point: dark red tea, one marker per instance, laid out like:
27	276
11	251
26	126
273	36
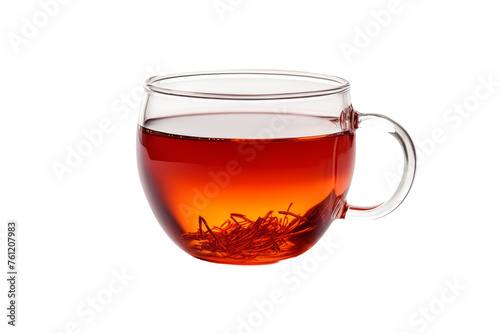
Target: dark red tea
245	188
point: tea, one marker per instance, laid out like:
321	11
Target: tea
245	188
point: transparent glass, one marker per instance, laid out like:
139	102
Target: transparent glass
252	166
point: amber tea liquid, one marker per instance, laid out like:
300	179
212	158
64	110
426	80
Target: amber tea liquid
245	188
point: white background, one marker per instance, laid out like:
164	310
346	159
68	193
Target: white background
74	71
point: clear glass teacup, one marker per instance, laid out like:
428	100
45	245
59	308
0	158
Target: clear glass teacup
252	166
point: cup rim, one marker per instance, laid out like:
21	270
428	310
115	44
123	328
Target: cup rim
338	85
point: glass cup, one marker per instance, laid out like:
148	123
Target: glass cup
252	166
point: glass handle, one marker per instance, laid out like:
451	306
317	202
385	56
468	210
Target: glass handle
387	125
